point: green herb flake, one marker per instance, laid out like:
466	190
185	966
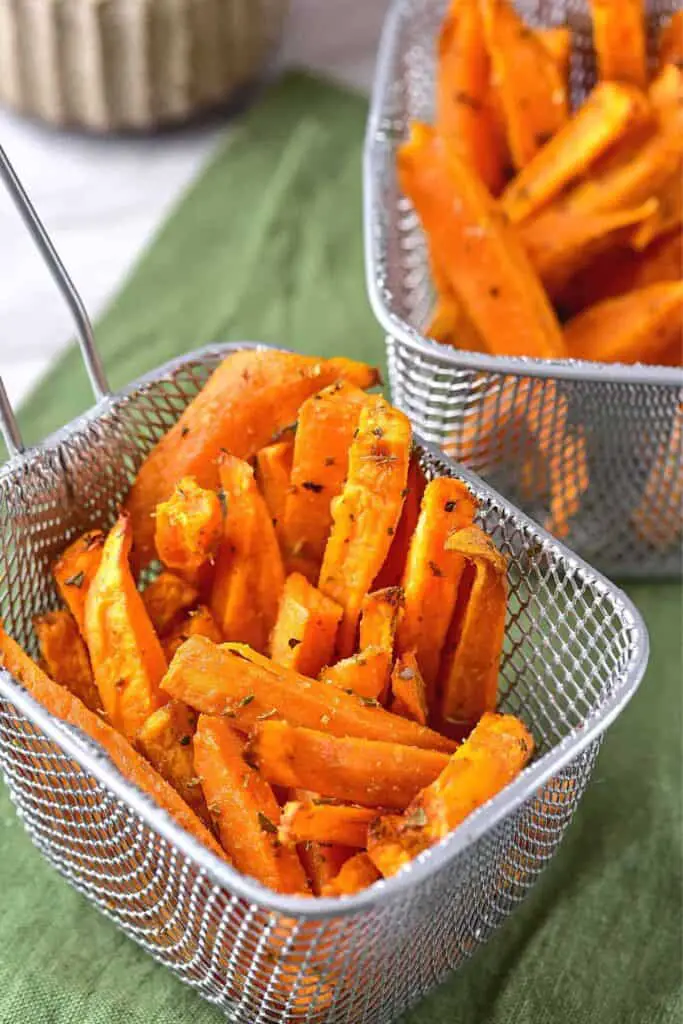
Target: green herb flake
416	819
77	580
246	701
266	824
370	702
185	741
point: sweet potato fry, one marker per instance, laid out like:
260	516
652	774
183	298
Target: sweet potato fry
63	705
380	614
65	656
75	570
357	874
663	489
167	599
609	112
624	270
306	627
365	772
557	41
245	811
219	681
635	328
532	90
450	325
474	646
273	471
666	96
199	622
366	512
391	573
249	398
323	822
432	576
165	739
463	112
322	863
326	425
189	528
366	674
560	242
493	755
249	573
667	213
619	40
125	653
409	690
671	41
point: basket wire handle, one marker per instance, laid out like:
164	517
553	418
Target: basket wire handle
84	332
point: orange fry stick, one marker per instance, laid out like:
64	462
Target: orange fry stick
75	570
664	489
635	328
125	653
667	214
242	804
218	681
557	41
609	112
492	757
167	600
450	325
463	111
359	771
326	425
249	574
63	705
472	654
559	241
165	739
306	627
671	41
199	622
366	513
322	863
249	398
530	85
65	656
485	261
366	674
357	874
409	690
432	576
380	614
273	471
619	40
188	529
323	822
391	573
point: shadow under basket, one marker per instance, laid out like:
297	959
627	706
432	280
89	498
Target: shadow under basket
575	652
605	469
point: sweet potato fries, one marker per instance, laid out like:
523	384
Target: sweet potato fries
326	628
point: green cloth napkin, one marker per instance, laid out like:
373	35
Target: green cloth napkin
267	245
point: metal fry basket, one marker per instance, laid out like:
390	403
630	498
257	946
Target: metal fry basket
625	421
575	652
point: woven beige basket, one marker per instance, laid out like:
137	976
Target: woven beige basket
117	65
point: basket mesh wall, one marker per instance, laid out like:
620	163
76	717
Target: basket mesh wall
597	461
572	645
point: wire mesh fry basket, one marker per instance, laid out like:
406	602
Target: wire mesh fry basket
620	504
575	652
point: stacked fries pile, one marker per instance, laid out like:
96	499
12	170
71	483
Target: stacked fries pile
309	684
553	234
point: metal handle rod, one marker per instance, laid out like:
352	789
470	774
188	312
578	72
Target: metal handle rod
93	364
9	428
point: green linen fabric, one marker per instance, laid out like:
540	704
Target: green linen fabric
267	245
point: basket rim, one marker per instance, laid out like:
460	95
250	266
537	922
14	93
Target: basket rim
397	327
97	763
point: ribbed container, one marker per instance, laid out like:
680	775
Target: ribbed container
127	65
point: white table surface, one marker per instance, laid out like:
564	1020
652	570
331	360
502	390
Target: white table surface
102	199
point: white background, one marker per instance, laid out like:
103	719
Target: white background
102	199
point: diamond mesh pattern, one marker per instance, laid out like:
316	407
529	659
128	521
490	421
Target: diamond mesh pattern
574	653
627	421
